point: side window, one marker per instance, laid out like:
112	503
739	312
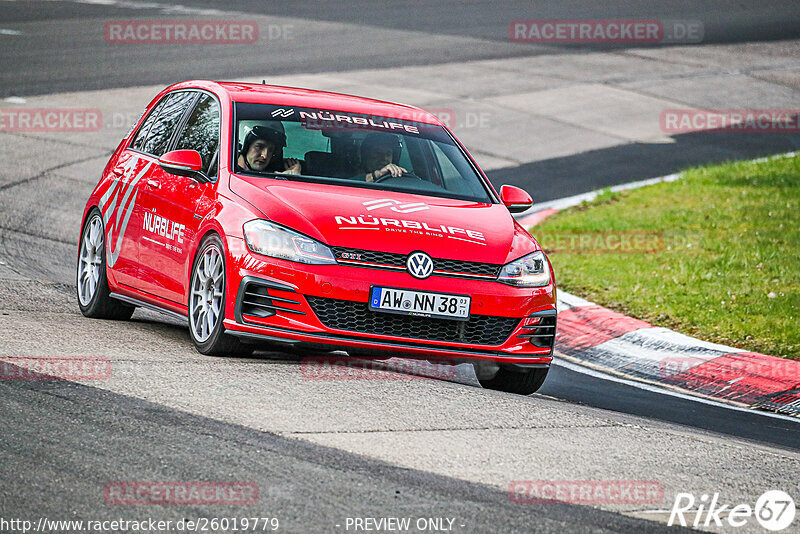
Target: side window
202	130
405	159
300	140
451	175
164	125
449	171
141	135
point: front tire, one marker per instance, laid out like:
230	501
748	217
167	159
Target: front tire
94	297
523	382
207	293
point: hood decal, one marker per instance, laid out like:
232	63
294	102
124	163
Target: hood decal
396	205
388	221
411	227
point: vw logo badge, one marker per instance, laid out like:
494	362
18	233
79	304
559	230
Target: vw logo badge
419	265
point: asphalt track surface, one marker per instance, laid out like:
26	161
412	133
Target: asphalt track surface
62	441
60	47
103	437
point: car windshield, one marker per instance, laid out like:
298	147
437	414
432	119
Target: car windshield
352	149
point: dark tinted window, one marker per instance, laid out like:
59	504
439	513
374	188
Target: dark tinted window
141	135
160	132
202	130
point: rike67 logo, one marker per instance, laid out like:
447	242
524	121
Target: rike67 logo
774	511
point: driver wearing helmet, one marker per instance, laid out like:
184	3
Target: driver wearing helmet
261	146
379	152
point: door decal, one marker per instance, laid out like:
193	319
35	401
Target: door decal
126	187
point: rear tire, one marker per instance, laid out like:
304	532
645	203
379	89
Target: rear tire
520	382
207	296
91	281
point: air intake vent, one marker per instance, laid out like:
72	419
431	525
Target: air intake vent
542	333
257	299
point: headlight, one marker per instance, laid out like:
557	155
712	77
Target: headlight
270	239
528	271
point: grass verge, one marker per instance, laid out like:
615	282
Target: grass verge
715	255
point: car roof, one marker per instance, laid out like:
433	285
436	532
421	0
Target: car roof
310	98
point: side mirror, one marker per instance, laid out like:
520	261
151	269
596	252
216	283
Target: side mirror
515	199
184	163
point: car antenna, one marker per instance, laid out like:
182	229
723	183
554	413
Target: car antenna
263	82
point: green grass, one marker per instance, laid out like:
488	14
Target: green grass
718	256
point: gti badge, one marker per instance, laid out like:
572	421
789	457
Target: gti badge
283	112
419	265
350	256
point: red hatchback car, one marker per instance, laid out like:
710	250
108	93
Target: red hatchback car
273	215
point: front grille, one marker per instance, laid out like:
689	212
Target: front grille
370	256
467	267
399	260
357	317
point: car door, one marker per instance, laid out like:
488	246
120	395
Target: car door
121	205
175	205
122	215
158	140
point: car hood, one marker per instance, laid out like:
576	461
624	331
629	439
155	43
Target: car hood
387	221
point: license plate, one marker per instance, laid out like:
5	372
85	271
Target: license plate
419	303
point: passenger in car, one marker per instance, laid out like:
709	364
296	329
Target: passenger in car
379	154
261	146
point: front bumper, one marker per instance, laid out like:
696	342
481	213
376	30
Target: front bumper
277	301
